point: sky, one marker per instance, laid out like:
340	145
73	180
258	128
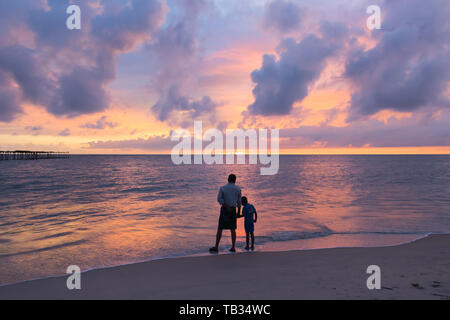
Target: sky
139	69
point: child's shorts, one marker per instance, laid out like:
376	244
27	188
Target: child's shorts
249	227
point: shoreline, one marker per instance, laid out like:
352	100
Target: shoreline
162	278
271	246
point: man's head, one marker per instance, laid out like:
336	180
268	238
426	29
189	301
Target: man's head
231	178
244	200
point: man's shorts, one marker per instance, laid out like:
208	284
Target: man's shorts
227	218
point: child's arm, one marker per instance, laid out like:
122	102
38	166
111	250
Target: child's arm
256	216
240	214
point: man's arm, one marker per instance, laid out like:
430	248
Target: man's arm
220	197
256	216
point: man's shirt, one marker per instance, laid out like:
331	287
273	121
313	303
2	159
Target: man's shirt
230	194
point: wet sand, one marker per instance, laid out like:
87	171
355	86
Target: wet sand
417	270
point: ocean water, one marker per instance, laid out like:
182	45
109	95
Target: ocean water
100	210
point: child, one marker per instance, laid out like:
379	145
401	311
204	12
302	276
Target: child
248	211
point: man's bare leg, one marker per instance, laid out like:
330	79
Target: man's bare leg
218	236
233	239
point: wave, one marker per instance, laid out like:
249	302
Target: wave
294	235
62	245
324	231
57	235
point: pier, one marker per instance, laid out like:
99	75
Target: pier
32	155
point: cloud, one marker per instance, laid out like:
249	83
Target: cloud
175	47
119	28
280	83
408	69
405	132
34	128
283	16
101	123
160	143
123	23
190	108
81	92
64	133
9	99
22	66
49	26
67	71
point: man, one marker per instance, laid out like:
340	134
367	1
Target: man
229	198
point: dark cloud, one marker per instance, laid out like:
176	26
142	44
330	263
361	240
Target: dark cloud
101	123
280	83
49	26
28	72
67	71
80	92
409	67
122	22
175	47
119	28
283	16
9	99
173	100
14	16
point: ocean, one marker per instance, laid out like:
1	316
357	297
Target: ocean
98	211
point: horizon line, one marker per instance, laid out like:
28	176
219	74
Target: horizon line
280	154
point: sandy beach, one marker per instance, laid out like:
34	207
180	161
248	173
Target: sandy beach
417	270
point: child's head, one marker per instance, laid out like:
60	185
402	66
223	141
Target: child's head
244	200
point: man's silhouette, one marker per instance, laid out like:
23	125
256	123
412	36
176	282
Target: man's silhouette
229	198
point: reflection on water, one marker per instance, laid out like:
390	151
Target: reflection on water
98	211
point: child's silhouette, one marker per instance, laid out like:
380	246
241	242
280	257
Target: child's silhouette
250	217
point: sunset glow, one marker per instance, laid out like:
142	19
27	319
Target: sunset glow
112	88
